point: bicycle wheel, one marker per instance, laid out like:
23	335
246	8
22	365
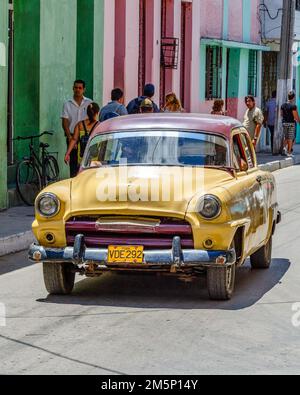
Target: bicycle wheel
28	182
51	169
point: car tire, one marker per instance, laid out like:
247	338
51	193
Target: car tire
221	282
59	278
263	257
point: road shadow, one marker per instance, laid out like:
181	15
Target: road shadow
150	292
12	262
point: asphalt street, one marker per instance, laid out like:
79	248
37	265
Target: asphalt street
155	325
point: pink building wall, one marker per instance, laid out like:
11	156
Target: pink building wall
109	49
120	43
149	38
206	21
255	25
155	64
132	49
211	18
235	20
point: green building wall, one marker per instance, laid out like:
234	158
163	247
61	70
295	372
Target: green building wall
85	48
26	72
57	69
3	103
90	32
56	42
233	73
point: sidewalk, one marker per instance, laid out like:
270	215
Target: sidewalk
15	229
15	223
272	163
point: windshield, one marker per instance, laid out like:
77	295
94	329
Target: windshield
157	148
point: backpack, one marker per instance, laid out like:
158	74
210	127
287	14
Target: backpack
137	104
85	138
134	106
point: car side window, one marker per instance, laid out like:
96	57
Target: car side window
239	156
247	150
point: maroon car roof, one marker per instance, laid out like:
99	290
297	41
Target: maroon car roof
207	123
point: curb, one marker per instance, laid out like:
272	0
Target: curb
16	243
280	164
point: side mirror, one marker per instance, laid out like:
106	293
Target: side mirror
244	165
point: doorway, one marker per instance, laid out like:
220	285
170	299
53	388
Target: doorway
186	55
10	103
142	47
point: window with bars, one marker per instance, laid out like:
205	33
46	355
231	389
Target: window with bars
213	72
252	73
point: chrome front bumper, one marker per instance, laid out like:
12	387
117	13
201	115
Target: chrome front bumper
80	255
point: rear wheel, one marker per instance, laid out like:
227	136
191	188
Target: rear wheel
52	169
221	282
262	258
28	181
59	278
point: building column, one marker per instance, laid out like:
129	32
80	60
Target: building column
169	32
177	34
131	68
98	47
120	44
202	72
3	102
57	69
108	49
247	19
297	63
225	19
127	47
243	82
195	60
155	77
224	73
84	47
27	63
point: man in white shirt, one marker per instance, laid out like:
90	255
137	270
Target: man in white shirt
253	119
74	111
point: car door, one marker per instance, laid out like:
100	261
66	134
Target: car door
241	197
257	192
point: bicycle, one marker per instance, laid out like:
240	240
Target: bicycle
34	173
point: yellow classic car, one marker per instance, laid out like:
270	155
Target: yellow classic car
175	194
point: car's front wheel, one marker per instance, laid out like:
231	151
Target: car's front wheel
263	257
221	282
59	278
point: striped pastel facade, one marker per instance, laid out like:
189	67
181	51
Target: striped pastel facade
230	20
116	43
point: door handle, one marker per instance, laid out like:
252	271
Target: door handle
259	179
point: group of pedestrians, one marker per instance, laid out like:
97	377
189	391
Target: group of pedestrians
290	118
81	115
254	119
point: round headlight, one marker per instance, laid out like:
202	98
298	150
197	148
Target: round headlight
48	205
210	207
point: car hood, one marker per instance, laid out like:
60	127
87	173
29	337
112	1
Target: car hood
146	190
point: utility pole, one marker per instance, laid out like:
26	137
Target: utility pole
284	84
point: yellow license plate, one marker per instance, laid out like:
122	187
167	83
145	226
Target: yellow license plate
125	254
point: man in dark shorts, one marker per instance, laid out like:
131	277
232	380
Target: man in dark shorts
290	117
